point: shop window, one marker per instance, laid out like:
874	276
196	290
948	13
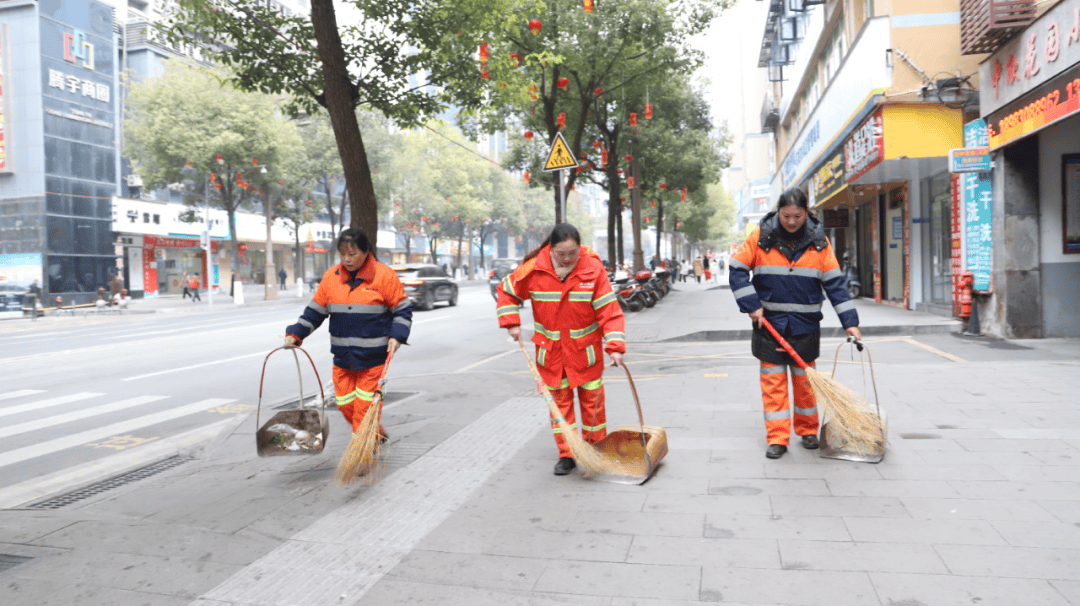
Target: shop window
157	219
146	217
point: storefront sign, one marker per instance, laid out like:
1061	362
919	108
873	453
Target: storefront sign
836	217
875	238
760	190
1070	202
5	115
978	215
1048	47
957	237
865	149
829	179
969	160
1046	104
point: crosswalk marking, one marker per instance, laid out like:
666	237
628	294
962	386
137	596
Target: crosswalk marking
20	393
75	397
78	439
77	415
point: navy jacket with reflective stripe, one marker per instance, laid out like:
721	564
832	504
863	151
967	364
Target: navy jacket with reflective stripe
789	283
364	314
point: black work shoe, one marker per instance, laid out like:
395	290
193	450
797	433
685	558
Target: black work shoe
775	451
810	442
564	466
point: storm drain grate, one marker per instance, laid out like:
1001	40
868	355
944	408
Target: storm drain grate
7	562
400	454
100	487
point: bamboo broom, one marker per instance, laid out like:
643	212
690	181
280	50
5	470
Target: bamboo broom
852	420
591	460
361	456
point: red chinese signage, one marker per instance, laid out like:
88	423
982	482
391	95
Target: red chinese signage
1053	101
865	149
3	97
957	234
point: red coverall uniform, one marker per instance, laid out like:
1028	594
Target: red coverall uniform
573	318
365	312
789	284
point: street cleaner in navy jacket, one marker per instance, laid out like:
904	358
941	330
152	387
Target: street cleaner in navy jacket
370	316
792	261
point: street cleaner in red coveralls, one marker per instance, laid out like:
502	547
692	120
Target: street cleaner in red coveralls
574	313
370	316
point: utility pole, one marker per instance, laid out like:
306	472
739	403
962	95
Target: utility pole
271	275
209	259
659	224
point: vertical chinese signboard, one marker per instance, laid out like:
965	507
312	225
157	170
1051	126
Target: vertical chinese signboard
5	115
978	211
876	237
957	237
865	149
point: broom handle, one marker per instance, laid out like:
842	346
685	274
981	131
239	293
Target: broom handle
787	346
540	384
641	418
382	381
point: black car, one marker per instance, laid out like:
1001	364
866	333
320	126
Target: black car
425	284
501	269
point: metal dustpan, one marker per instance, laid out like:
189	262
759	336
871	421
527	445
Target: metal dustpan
635	449
280	436
831	447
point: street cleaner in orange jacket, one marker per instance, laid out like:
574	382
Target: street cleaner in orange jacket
792	261
369	317
574	312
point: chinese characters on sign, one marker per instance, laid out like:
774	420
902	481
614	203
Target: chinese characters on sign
73	84
978	211
3	98
957	235
865	149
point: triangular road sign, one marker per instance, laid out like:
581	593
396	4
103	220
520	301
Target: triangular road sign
559	157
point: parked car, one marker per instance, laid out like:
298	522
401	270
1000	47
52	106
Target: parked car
500	269
426	284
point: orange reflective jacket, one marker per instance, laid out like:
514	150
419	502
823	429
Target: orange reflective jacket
572	318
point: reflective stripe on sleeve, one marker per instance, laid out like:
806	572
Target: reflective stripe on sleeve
319	308
615	336
405	321
507	310
792	307
845	306
577	295
604	300
737	264
359	341
786	270
402	306
806	412
832	273
776	416
745	292
307	324
352	308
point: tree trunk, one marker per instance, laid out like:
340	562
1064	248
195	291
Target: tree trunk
328	183
659	227
340	97
408	249
619	226
461	236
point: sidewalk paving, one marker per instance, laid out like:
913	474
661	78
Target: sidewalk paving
977	500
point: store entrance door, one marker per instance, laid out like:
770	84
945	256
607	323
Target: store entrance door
892	248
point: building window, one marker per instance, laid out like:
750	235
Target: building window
157	219
146	217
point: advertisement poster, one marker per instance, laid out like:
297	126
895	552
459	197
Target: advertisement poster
877	251
978	212
957	238
1070	203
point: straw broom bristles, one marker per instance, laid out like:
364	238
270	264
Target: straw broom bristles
361	457
591	460
851	422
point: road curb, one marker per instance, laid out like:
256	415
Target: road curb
827	332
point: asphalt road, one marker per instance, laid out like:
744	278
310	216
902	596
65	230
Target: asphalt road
96	397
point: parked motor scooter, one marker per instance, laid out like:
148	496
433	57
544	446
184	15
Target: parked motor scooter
645	280
852	277
631	297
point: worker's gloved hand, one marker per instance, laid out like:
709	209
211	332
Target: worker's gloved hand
514	332
291	342
616	358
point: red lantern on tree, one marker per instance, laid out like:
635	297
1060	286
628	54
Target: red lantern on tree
646	219
563	83
218	158
633	119
648	111
308	203
484	73
516	57
213	177
623	200
526	176
217	186
628	158
599	91
483	52
532	94
684	193
654	203
596	144
254	161
529	135
603	159
535	25
281	183
588	6
630	182
663	186
562	120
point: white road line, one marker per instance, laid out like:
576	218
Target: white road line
106	467
20	393
486	360
85	413
171	370
44	448
75	397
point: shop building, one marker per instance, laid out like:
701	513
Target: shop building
870	98
58	157
1030	101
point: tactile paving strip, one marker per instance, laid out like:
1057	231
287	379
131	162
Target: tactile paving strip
340	557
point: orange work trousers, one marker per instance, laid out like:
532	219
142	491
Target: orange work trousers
774	395
593	417
355	389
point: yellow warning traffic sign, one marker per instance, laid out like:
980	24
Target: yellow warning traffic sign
559	158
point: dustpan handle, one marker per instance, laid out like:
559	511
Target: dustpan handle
870	362
262	378
641	418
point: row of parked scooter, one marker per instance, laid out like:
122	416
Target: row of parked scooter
642	289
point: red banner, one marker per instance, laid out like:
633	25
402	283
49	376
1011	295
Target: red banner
957	234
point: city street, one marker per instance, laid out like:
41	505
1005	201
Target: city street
976	501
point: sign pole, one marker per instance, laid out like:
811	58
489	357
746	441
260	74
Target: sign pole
562	196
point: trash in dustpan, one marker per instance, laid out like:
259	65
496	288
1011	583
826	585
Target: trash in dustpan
292	432
636	450
834	448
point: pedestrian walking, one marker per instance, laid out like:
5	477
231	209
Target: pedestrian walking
195	288
699	269
281	274
185	280
574	313
705	268
792	262
370	316
115	286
